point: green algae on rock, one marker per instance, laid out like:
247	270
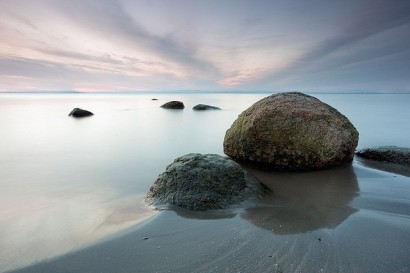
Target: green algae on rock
204	182
291	131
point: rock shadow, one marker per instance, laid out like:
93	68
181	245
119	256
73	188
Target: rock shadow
203	215
383	166
304	202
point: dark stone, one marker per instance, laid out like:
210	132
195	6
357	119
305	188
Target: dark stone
79	113
173	105
389	154
291	131
202	107
203	182
154	99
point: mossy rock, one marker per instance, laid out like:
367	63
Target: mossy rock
291	131
204	182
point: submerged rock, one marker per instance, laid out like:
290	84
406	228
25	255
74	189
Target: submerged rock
291	131
173	105
203	182
389	154
202	107
79	113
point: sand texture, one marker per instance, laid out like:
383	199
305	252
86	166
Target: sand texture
347	219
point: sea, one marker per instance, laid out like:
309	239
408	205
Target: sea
68	183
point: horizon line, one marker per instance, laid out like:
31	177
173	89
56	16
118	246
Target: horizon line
200	91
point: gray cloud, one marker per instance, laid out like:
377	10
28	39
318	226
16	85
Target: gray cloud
321	42
109	19
79	56
19	73
370	19
31	68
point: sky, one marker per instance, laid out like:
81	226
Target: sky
263	45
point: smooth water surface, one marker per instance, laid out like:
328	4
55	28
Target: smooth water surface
66	183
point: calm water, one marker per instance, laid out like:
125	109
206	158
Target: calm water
66	183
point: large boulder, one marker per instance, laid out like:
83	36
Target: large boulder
203	182
202	107
79	113
173	105
389	154
291	131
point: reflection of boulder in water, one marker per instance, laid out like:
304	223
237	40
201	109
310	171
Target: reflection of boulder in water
305	202
203	215
282	220
386	167
388	154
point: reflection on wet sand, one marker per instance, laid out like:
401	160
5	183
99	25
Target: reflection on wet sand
387	167
45	227
304	202
300	202
203	215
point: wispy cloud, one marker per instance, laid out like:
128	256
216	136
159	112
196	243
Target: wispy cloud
240	77
185	44
111	21
372	20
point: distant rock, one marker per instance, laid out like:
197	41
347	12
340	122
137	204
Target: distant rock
291	131
79	113
173	105
154	99
204	182
389	154
202	107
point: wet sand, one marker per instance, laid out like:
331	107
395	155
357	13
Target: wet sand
346	219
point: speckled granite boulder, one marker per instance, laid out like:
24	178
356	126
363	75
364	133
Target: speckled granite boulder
291	131
79	113
203	182
389	154
173	105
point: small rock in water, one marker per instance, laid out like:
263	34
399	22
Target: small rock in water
389	154
79	113
173	105
154	99
202	107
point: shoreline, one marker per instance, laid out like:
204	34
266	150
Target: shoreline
112	218
339	225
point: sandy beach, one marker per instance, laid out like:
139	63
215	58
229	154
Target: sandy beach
346	219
